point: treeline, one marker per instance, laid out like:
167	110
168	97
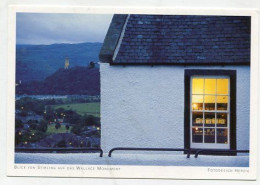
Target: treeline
36	62
77	80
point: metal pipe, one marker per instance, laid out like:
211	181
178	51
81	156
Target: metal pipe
219	151
149	149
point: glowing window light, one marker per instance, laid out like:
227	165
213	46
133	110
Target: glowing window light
194	106
208	96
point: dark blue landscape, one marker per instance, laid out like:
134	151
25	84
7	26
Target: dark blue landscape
36	62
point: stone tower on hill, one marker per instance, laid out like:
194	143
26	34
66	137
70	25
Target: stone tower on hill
67	63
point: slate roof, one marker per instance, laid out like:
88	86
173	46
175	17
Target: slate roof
177	39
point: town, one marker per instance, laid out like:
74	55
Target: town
72	121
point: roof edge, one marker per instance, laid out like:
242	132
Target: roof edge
120	38
112	38
183	64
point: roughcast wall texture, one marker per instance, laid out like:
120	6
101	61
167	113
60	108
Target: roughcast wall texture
143	106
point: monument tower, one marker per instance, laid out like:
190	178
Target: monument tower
67	63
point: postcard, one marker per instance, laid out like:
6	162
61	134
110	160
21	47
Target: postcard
132	93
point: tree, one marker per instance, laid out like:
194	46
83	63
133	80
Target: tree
33	126
42	126
89	120
18	123
72	117
61	144
57	125
76	129
67	127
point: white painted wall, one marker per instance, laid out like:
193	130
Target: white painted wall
143	106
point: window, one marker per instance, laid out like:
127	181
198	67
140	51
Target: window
209	112
210	109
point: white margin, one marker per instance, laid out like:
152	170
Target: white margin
169	172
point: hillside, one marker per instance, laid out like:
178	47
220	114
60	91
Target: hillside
36	62
76	80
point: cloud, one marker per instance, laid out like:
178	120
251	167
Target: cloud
49	28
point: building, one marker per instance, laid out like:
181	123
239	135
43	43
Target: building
67	63
176	82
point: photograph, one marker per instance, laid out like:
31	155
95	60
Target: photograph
110	92
57	93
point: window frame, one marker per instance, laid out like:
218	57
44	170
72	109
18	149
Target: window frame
215	111
189	73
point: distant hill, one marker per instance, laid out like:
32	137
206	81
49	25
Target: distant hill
36	62
76	80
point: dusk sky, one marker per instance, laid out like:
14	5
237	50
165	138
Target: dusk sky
50	28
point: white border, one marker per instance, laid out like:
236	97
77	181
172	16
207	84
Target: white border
134	171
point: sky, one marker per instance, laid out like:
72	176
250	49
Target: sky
51	28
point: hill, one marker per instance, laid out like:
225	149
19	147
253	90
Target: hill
76	80
36	62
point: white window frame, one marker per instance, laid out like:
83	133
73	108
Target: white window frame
210	145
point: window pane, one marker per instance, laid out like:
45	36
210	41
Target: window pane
210	102
210	86
209	119
197	119
197	135
222	86
197	86
210	106
222	102
222	135
197	102
209	135
222	119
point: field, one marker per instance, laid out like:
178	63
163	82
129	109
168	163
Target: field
82	108
52	130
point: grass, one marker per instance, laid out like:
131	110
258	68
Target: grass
82	108
52	130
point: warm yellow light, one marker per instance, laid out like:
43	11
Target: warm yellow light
194	106
210	86
210	99
222	99
197	85
222	86
197	99
196	128
25	142
98	128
